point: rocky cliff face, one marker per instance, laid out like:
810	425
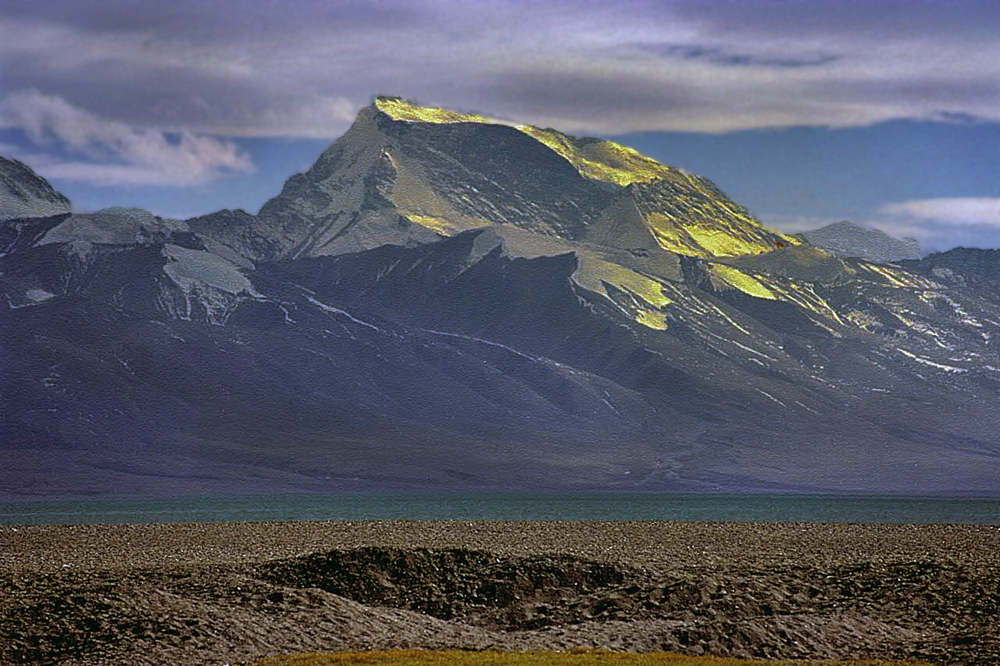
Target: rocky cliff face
23	194
29	206
445	302
962	266
132	259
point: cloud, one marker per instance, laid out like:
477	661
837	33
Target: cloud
935	231
113	152
723	56
693	66
982	211
941	237
942	223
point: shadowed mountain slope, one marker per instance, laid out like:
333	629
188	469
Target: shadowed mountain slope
446	302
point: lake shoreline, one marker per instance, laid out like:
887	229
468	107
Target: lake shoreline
523	506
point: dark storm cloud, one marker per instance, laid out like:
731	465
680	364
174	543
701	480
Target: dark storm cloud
225	20
237	67
931	93
303	69
570	100
231	67
723	56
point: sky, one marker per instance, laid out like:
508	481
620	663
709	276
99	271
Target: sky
883	112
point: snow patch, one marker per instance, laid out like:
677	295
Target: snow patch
192	268
39	295
334	310
939	366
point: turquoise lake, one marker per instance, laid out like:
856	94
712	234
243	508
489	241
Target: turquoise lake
760	508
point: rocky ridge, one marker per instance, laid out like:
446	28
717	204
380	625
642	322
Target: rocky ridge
23	194
443	301
405	175
846	239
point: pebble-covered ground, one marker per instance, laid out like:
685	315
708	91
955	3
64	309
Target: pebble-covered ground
218	593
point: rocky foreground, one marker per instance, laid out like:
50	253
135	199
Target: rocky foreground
218	593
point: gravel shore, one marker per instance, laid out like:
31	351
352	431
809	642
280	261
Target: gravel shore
217	593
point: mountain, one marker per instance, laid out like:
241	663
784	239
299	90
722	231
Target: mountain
846	239
445	302
24	194
29	206
962	266
407	175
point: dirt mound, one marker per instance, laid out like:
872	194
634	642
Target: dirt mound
904	610
477	587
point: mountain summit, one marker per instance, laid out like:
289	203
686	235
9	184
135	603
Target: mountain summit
25	195
448	302
29	206
406	175
846	239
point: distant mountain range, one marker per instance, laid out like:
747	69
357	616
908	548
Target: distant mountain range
846	239
443	302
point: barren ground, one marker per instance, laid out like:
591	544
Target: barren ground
218	593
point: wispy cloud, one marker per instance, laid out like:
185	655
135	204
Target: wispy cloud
942	223
108	152
980	211
936	224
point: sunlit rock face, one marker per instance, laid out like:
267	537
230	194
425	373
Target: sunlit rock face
445	301
405	175
846	239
